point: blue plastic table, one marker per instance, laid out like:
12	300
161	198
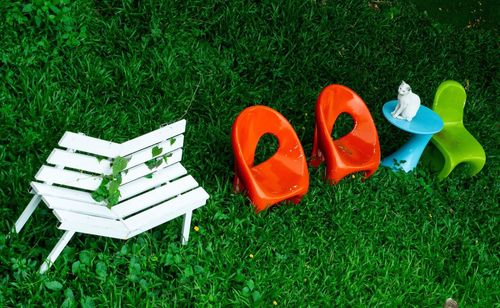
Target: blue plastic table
425	124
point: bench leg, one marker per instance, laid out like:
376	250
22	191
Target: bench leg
56	251
28	211
186	227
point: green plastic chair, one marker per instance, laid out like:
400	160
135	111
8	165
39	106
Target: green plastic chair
455	144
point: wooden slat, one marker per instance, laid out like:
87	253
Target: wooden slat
146	154
91	224
143	184
142	170
79	207
166	211
88	144
63	193
155	196
79	161
68	178
153	137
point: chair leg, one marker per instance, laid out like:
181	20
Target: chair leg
237	184
28	211
56	251
446	170
317	157
296	199
476	165
369	173
186	227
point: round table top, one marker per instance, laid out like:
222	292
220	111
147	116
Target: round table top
425	121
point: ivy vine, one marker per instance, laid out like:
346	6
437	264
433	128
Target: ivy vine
108	190
157	161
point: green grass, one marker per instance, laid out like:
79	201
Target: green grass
119	69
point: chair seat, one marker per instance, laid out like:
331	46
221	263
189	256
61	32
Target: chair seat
354	151
458	144
276	181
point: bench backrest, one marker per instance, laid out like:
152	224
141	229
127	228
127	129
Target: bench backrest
73	171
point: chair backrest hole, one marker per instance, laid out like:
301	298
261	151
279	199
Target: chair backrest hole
342	126
267	146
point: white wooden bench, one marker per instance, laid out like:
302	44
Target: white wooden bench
66	182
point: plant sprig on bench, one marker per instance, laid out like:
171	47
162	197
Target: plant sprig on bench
108	190
156	161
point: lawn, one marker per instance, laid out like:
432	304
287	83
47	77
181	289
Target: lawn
119	69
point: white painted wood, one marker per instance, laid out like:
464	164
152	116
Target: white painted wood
68	178
186	226
146	154
28	211
153	137
56	251
142	169
63	193
167	210
84	228
79	207
143	184
100	226
160	194
80	142
79	161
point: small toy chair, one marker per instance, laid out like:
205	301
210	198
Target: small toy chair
284	176
359	150
454	142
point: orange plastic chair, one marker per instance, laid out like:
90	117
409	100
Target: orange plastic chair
359	150
284	176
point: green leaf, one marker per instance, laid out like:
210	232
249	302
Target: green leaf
256	296
119	164
85	257
69	293
28	8
38	21
101	270
239	276
113	187
97	196
153	163
54	285
149	176
166	156
87	302
250	284
156	151
54	9
113	199
101	192
245	291
188	271
172	141
69	302
75	268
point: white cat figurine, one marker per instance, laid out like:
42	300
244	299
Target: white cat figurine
408	103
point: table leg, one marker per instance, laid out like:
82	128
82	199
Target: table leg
407	157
